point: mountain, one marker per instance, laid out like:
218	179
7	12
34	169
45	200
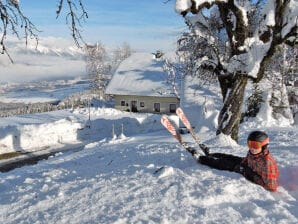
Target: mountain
52	58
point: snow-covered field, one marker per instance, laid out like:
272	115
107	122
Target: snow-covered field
42	91
142	176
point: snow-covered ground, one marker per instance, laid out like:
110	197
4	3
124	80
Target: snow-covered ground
143	176
42	91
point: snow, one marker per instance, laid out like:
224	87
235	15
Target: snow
243	8
257	49
143	175
270	13
42	91
142	75
182	5
185	5
291	17
254	48
47	73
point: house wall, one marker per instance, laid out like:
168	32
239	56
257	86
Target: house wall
148	101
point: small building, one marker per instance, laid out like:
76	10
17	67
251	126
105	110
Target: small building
140	85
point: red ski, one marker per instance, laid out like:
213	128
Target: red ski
189	128
170	127
187	124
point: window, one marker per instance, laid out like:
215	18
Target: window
142	104
156	107
122	103
172	108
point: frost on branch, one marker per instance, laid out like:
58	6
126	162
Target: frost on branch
14	22
76	13
14	2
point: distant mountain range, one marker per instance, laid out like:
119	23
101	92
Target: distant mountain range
51	58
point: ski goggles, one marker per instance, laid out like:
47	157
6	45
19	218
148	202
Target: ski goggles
257	145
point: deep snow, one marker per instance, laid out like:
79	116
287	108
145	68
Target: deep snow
141	177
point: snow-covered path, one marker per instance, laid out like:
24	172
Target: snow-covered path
117	182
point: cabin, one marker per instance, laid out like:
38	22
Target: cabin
140	85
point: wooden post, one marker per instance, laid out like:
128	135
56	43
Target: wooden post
113	131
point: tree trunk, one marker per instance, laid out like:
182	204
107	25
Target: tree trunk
230	114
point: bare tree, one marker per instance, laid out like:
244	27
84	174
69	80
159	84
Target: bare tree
14	22
98	68
174	76
254	30
197	59
120	54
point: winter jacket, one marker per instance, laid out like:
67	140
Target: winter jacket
261	169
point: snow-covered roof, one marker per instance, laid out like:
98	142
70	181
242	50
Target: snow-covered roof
142	75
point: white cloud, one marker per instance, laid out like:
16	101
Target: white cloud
53	58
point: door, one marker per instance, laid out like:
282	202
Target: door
134	107
156	107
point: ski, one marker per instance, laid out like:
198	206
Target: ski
170	127
189	128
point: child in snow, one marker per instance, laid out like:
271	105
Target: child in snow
258	166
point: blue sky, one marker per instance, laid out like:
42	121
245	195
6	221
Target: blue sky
144	24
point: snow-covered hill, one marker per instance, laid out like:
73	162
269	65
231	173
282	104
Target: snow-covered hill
142	176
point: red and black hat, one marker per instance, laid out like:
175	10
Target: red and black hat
257	139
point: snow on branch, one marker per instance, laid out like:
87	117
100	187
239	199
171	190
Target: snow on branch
254	29
172	76
73	20
13	19
290	21
184	6
14	22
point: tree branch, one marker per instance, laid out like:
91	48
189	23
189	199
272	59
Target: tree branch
13	19
73	20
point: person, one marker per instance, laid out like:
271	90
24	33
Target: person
258	166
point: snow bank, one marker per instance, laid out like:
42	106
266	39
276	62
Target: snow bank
32	137
39	131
